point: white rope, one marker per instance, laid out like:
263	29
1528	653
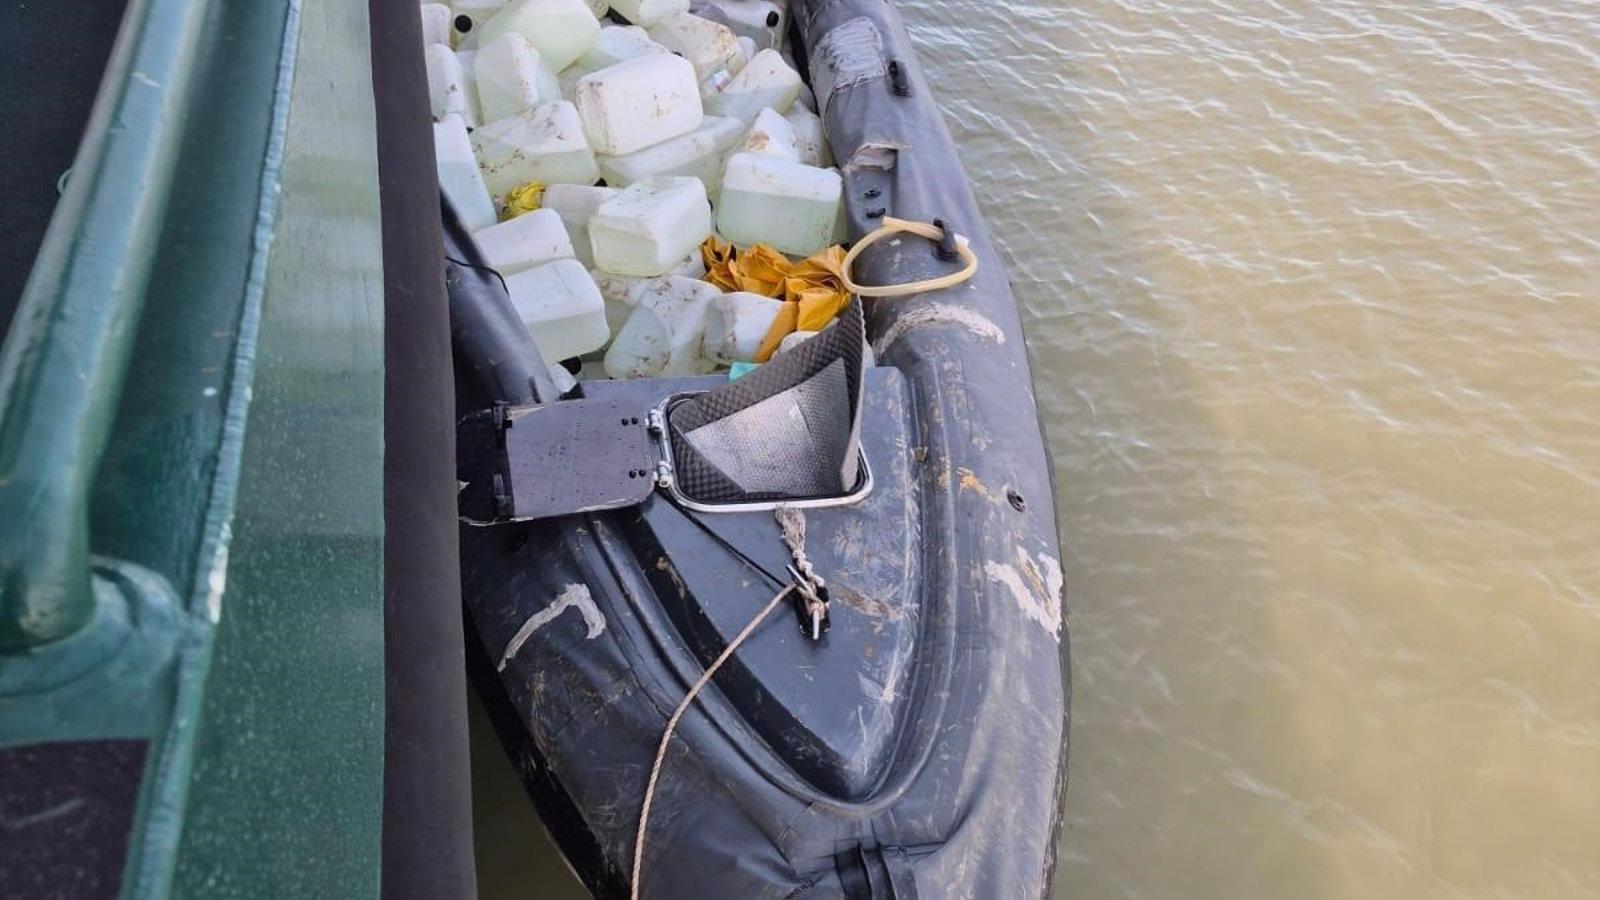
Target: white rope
811	586
793	523
672	725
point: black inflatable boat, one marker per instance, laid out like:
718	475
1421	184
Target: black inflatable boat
616	538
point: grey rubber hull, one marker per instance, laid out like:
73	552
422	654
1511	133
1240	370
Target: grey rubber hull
919	749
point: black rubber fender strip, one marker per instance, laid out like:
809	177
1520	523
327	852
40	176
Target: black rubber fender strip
427	791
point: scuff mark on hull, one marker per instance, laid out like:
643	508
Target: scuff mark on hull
573	595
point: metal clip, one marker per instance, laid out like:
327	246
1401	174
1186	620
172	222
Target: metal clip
810	606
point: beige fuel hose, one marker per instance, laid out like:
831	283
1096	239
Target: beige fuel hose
932	232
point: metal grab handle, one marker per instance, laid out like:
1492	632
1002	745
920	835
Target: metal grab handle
62	367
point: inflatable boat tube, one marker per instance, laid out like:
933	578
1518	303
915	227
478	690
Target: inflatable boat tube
918	749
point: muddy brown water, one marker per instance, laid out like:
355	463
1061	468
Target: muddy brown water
1313	297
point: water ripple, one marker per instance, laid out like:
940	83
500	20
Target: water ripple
1311	290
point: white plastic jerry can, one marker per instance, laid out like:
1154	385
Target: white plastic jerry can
543	144
436	24
691	266
531	239
736	324
549	84
638	103
806	98
650	226
564	380
772	135
447	88
475	13
794	339
459	177
758	20
616	44
575	204
769	200
664	332
561	307
469	80
622	292
767	83
561	30
508	77
463	31
699	154
709	46
599	7
648	12
810	143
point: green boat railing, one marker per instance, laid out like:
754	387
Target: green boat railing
191	463
63	364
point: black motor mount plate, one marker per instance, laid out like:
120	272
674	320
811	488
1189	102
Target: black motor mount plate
533	462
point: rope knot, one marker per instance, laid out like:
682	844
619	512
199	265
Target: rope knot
811	601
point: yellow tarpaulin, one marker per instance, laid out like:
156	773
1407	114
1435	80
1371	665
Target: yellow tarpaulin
813	289
523	200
